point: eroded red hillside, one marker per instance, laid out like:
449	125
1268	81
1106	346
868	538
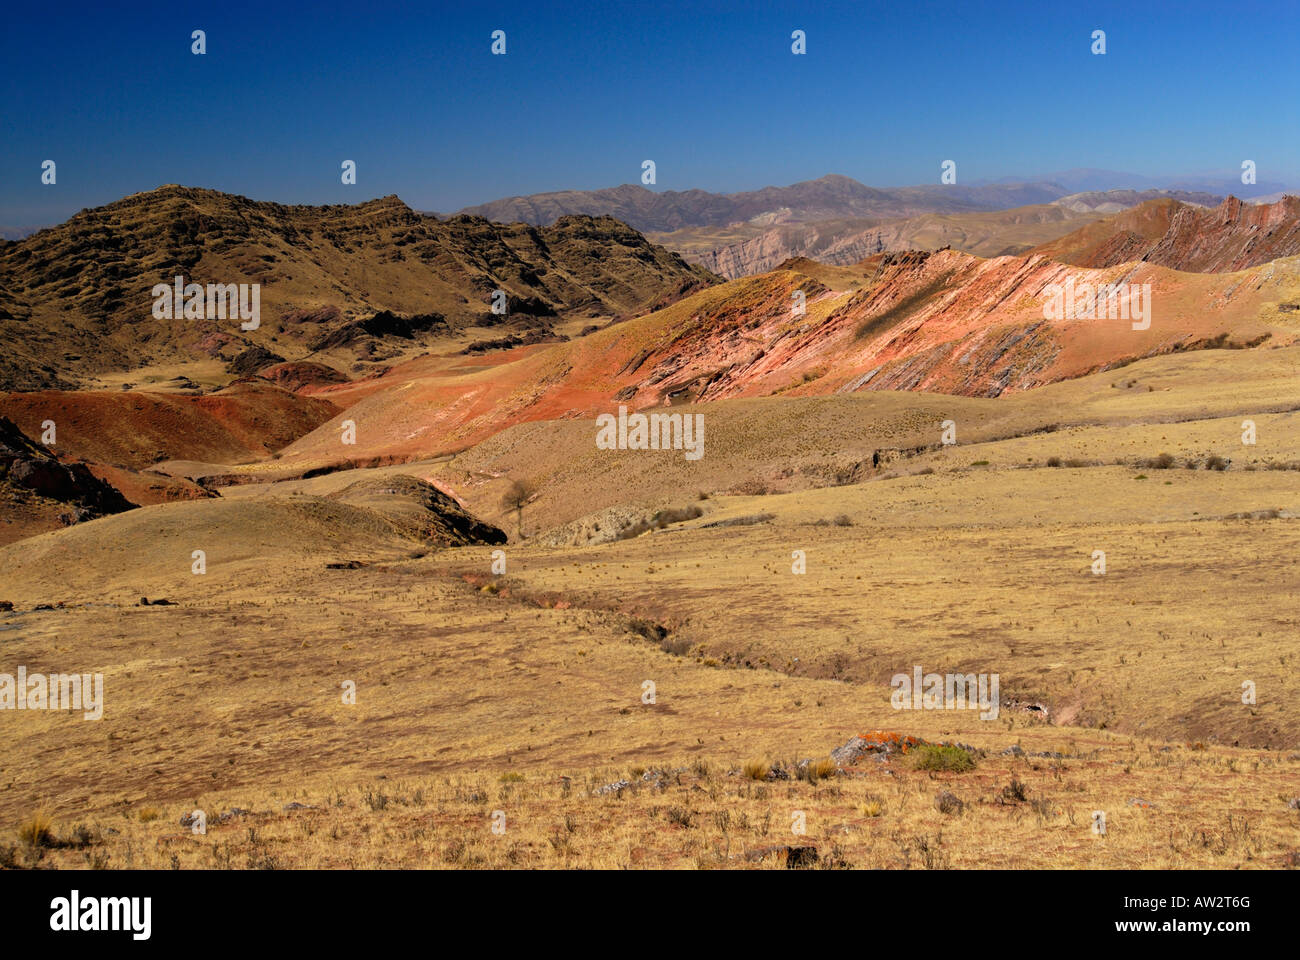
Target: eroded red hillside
944	322
1232	236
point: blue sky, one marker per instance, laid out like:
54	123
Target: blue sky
710	92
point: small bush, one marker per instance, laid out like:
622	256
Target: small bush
660	520
148	815
946	759
756	770
843	520
681	816
1216	463
1053	461
677	646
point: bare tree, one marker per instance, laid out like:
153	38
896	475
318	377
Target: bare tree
516	497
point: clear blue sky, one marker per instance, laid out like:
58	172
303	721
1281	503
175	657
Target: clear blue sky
710	92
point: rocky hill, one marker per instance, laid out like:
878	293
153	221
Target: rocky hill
1231	236
75	300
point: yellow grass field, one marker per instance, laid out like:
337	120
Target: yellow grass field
648	701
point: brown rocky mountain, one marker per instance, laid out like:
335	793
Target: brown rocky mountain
829	197
1231	236
75	299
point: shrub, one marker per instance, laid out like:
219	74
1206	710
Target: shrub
681	816
756	770
676	646
1216	463
660	520
947	759
1053	461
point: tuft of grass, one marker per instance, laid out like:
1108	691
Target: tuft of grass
1053	461
37	830
946	759
820	769
148	814
756	770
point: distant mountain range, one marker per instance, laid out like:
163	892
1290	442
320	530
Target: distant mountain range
835	197
739	252
828	197
1088	180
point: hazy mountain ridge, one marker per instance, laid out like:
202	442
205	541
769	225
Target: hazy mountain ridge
984	234
829	197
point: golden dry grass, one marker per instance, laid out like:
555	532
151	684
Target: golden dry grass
530	697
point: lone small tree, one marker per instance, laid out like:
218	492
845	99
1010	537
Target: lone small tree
516	497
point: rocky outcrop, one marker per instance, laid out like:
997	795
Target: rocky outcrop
25	463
